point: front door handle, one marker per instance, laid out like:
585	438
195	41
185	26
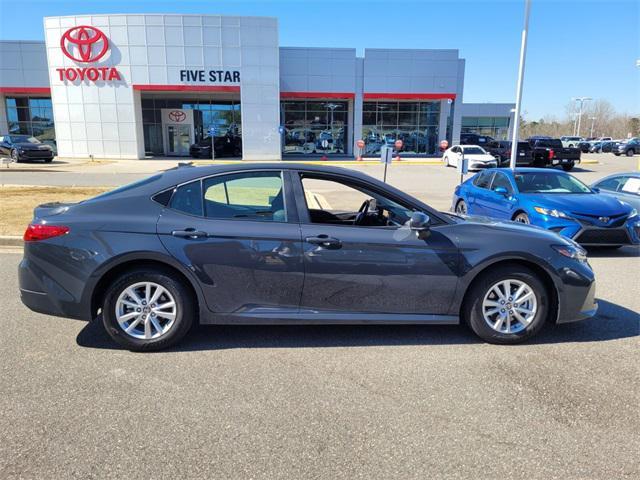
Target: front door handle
189	233
325	241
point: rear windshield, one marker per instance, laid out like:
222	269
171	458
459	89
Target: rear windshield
552	182
550	143
129	186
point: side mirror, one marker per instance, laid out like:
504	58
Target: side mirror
501	191
419	221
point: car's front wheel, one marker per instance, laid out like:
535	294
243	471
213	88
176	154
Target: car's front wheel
522	217
630	152
507	305
148	310
568	167
15	156
461	207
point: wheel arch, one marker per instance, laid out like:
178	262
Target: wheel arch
96	291
517	212
545	276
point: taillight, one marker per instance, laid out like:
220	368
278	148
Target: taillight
551	153
35	232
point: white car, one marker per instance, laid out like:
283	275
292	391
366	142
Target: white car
476	156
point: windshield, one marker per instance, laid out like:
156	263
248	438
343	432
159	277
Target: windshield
552	182
23	139
474	151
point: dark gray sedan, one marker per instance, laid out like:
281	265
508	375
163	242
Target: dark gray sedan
286	243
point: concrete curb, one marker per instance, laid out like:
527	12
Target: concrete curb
10	241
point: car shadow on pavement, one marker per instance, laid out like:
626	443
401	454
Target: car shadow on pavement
612	322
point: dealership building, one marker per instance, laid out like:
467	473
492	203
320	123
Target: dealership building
138	86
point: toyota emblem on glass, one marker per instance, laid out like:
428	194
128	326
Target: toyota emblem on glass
177	116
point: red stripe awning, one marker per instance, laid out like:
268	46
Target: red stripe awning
188	88
26	90
409	96
341	95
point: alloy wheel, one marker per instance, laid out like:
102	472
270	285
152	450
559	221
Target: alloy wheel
461	208
509	306
522	218
145	310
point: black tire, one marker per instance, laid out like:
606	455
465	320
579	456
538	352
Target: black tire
568	167
522	217
185	311
461	208
630	152
48	160
472	307
15	156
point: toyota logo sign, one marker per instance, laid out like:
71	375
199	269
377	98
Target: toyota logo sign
84	44
177	116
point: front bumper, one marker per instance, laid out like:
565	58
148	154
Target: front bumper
35	154
587	234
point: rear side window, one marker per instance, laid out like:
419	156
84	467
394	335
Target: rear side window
483	179
188	198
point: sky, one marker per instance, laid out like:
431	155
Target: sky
575	48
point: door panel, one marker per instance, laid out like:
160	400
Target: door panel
241	265
376	270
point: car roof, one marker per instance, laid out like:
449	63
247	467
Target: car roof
528	170
619	174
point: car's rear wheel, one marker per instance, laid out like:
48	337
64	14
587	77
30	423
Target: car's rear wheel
568	167
461	207
630	152
507	305
522	217
147	310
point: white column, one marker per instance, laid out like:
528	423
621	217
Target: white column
358	104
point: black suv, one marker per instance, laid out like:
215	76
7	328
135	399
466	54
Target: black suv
501	149
628	148
475	139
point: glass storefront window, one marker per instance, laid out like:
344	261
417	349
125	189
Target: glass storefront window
315	127
224	114
415	123
495	127
31	116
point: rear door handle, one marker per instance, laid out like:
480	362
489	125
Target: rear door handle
189	233
325	241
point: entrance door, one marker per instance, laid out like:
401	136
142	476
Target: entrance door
178	140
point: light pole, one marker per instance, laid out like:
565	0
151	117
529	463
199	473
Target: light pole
523	54
593	121
581	100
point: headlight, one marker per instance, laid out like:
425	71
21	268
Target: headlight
571	251
551	212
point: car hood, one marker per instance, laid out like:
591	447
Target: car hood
507	226
583	204
32	146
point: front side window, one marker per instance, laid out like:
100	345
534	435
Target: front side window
501	180
249	196
483	180
330	201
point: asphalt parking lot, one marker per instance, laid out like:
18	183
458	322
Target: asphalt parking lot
329	401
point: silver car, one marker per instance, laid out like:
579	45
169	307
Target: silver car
623	186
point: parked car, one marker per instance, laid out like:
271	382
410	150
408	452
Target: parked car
549	152
477	157
25	147
550	199
623	186
501	150
249	244
226	146
604	139
475	139
585	146
570	142
602	147
628	148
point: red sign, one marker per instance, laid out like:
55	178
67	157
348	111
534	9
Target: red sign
398	144
444	145
360	143
177	116
84	44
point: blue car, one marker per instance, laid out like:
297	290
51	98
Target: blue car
550	199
